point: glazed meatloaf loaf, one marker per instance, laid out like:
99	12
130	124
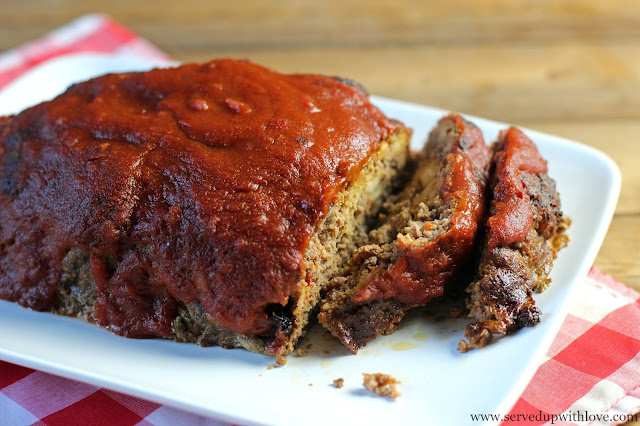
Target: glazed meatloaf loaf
204	203
427	236
524	231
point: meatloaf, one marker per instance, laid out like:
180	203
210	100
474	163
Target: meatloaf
524	231
428	234
204	203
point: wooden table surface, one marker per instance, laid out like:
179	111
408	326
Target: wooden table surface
570	68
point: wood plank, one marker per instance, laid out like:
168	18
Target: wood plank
537	77
617	138
620	252
558	81
205	25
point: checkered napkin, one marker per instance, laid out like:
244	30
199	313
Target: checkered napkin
591	374
592	370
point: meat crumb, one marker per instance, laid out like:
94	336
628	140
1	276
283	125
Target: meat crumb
381	384
339	383
463	346
281	360
302	353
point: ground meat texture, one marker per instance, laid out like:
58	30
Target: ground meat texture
524	231
427	234
381	384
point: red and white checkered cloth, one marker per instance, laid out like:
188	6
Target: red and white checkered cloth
593	365
592	369
91	33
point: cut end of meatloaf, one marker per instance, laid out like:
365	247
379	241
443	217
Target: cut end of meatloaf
344	229
427	234
525	230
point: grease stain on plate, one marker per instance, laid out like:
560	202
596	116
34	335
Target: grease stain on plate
404	346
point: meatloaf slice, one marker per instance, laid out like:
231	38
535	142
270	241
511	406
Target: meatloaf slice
206	203
524	231
428	233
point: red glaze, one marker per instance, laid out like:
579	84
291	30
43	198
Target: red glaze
422	270
511	212
203	182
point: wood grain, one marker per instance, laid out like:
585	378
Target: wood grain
208	25
623	236
619	139
511	83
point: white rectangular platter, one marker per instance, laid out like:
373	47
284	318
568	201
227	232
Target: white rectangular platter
439	385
